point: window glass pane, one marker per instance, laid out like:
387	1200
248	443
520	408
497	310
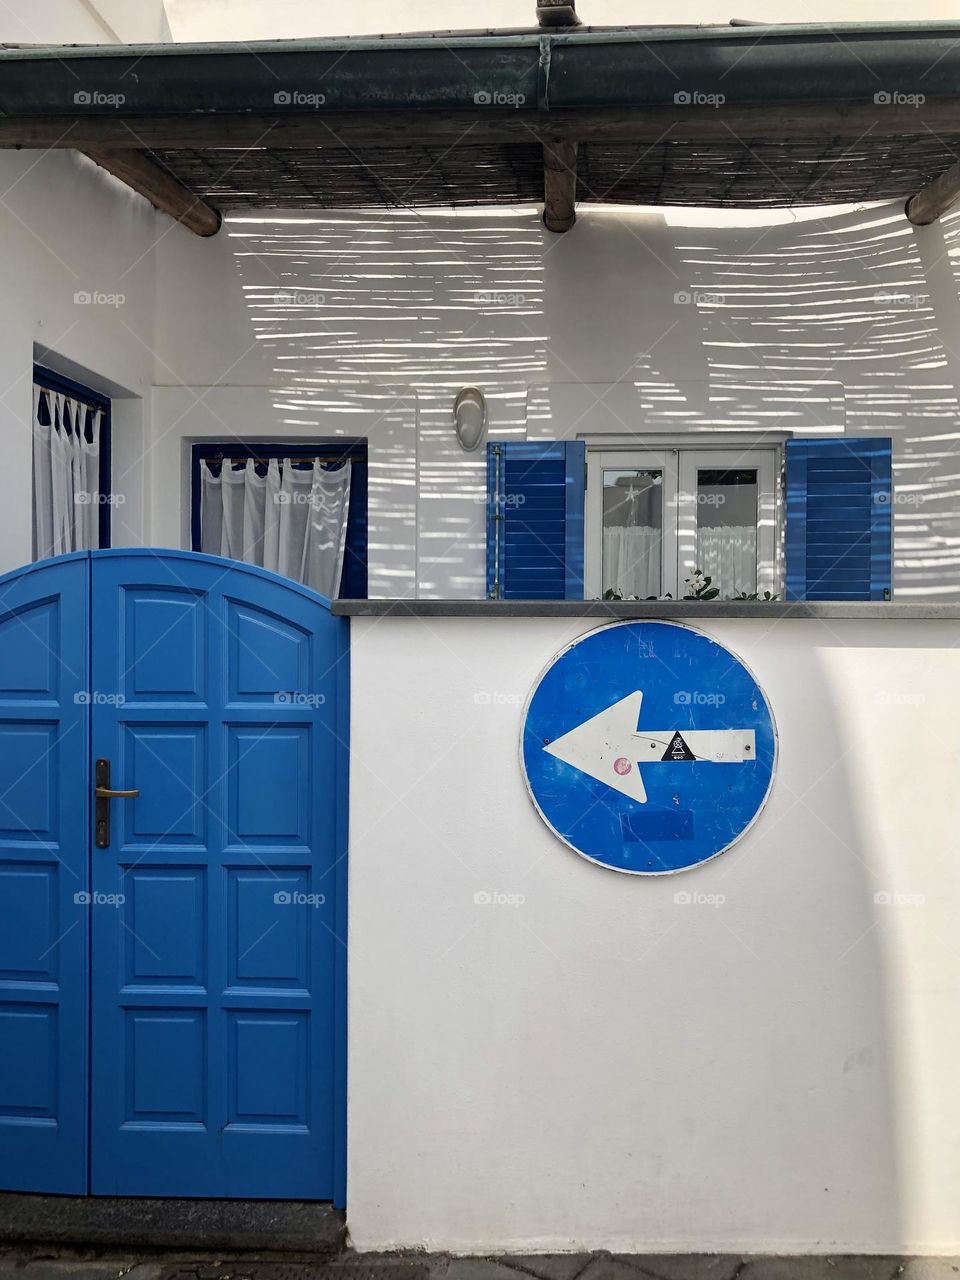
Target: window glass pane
727	528
632	532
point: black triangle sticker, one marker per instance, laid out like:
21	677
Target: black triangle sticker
678	749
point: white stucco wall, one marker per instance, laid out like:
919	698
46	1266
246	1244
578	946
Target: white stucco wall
78	295
367	324
602	1066
83	22
148	21
636	321
253	20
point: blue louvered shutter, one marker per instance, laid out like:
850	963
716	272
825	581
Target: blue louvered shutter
839	528
535	520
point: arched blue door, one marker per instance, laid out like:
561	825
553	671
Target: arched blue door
171	962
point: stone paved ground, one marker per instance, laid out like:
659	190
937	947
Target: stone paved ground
45	1264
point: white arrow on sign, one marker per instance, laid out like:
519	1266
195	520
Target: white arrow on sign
610	747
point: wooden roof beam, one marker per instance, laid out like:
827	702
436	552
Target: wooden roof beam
484	125
557	13
559	185
159	187
936	198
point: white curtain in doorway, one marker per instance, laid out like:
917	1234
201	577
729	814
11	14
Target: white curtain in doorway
293	520
66	474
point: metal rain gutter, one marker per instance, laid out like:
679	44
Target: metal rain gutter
560	70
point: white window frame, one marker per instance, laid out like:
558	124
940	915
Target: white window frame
640	459
679	466
764	462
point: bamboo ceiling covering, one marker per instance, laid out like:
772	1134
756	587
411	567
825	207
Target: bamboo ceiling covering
714	172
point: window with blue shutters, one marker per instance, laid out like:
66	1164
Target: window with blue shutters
535	497
656	517
838	518
639	523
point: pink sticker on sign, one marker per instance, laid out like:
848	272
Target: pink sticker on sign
622	765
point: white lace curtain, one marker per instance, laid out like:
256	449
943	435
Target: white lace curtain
66	474
631	560
293	520
632	554
728	555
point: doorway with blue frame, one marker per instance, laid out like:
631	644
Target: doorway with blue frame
330	456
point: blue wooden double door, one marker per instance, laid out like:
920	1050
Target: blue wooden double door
171	961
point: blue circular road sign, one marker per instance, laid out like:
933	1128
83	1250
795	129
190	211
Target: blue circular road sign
648	747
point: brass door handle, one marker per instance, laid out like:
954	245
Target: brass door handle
104	793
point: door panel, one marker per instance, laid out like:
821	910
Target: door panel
215	948
45	902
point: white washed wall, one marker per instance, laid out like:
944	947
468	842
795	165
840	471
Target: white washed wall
257	20
634	321
83	22
78	294
368	324
149	21
604	1067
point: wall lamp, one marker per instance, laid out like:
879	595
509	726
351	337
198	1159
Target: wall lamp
470	418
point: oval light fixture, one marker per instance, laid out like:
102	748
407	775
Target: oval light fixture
470	418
